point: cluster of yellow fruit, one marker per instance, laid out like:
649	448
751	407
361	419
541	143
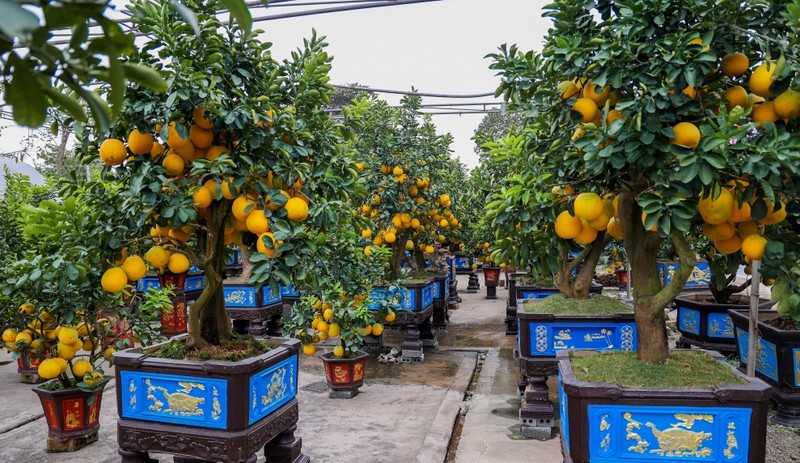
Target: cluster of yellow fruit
133	268
58	345
325	325
729	224
482	254
591	99
592	215
422	228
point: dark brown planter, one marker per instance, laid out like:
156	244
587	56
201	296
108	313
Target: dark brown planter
212	410
28	369
605	422
491	276
622	278
344	375
777	363
524	292
413	307
706	324
72	422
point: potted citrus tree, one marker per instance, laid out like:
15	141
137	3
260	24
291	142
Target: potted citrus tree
67	324
405	210
238	150
339	311
659	136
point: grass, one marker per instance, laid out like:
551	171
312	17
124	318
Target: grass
557	304
541	281
233	351
682	370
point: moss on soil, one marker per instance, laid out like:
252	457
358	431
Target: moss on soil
541	281
682	370
557	304
232	351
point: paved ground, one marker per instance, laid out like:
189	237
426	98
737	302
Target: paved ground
460	406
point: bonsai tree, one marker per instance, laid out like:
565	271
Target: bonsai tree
662	114
237	150
62	316
406	207
339	307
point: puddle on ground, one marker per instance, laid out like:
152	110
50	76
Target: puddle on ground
319	387
510	413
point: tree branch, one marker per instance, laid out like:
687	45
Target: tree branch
687	261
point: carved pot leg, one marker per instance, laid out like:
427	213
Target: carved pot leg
412	346
427	335
129	456
286	448
536	413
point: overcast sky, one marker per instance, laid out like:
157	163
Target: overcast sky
436	47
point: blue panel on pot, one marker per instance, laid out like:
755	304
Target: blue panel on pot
239	296
688	320
289	291
563	406
701	275
720	325
270	296
427	296
668	433
538	294
271	388
766	358
400	300
796	357
547	338
437	290
147	283
462	262
177	399
195	283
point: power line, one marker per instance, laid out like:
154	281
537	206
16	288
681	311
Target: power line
407	92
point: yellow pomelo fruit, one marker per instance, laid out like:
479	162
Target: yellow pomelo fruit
257	222
229	190
787	104
174	165
113	152
736	96
333	330
23	338
368	251
390	317
242	207
200	119
201	197
734	64
686	135
741	213
429	249
719	232
718	210
114	280
599	98
200	137
65	351
567	89
140	143
9	335
80	368
409	245
761	79
157	257
296	209
601	222
774	216
745	229
309	349
377	329
262	248
587	234
588	206
178	263
338	351
174	140
567	226
753	246
614	228
215	151
612	116
67	335
49	369
587	108
62	364
366	233
389	237
729	246
134	267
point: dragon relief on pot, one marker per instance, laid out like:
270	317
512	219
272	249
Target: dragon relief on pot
178	402
679	440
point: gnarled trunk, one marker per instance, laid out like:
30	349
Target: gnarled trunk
587	260
649	297
208	320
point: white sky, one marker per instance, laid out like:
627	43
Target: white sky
436	47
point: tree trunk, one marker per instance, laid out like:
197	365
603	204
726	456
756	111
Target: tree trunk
649	297
398	254
61	153
208	320
579	287
247	266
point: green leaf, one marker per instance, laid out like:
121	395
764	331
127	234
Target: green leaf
100	110
116	79
145	76
187	14
24	93
17	21
66	102
240	12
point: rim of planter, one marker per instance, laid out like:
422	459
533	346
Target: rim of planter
753	389
775	333
689	303
138	357
329	357
71	391
617	316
